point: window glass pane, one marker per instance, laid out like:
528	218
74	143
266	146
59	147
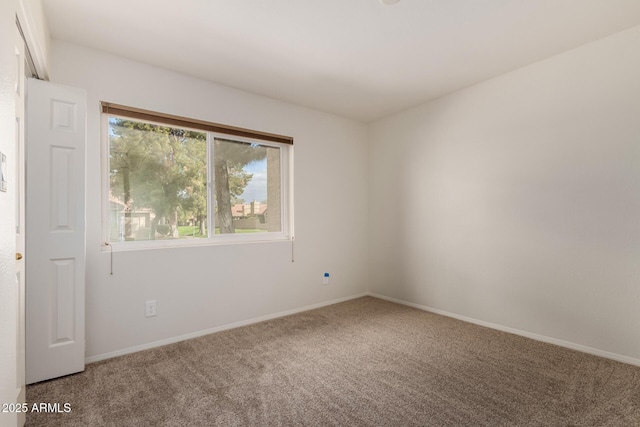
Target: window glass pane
158	181
247	187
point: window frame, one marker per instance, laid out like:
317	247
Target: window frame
234	134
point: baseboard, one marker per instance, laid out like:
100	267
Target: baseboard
534	336
225	327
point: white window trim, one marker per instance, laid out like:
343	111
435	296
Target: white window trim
286	197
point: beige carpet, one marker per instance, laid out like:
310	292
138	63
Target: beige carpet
365	362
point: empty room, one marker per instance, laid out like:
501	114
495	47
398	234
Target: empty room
347	213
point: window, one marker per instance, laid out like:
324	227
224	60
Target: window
174	181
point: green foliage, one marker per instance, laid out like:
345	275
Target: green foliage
164	169
244	230
163	229
230	157
190	231
159	168
238	180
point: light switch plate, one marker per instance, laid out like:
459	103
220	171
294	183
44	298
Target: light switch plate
3	171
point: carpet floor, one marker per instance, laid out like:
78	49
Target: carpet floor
364	362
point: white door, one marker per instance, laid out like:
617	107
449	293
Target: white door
55	275
20	219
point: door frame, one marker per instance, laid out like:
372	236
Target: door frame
30	17
18	181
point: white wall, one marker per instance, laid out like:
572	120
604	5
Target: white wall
517	201
8	294
205	287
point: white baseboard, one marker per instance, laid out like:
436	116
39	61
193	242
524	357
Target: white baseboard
534	336
196	334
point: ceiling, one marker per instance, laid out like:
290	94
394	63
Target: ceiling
354	58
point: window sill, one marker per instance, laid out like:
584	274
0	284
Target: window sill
194	242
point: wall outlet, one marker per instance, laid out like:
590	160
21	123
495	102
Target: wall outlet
325	279
150	308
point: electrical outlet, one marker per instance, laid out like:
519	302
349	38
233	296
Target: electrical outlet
150	308
325	279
